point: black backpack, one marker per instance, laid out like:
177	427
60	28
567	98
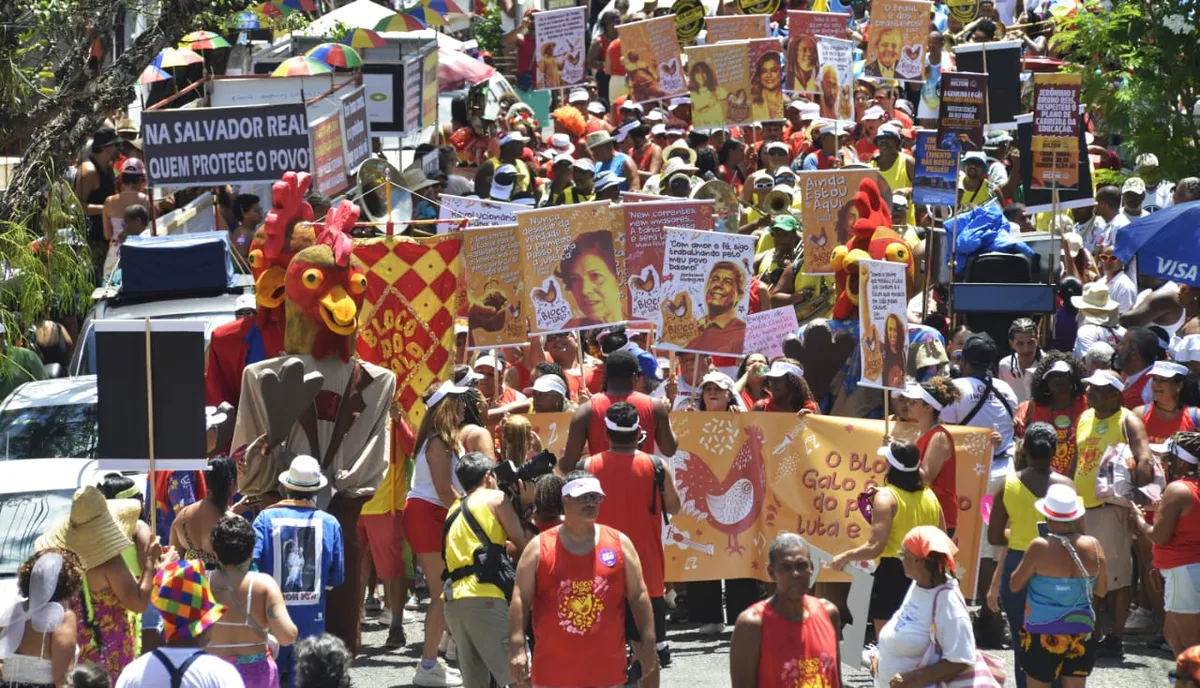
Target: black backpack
491	563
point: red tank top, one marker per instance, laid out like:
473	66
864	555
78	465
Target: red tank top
1184	547
579	611
1131	397
632	506
1064	428
1159	429
796	654
598	434
945	485
768	405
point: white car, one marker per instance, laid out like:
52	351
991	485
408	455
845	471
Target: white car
50	419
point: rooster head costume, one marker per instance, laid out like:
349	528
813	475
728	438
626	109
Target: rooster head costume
874	239
286	231
325	286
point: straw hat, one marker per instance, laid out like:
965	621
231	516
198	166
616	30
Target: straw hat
1095	299
97	529
680	145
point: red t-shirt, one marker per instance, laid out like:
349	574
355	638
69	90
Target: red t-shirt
797	653
628	482
945	485
1064	429
598	433
525	55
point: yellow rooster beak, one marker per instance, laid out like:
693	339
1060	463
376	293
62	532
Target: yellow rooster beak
269	288
339	312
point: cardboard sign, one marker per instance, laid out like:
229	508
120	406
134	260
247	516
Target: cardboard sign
936	172
329	165
478	212
962	110
561	42
573	268
226	145
689	20
645	226
766	80
652	58
1041	200
765	331
882	314
719	77
1003	68
356	131
495	311
836	79
429	88
804	66
827	212
552	429
1056	131
899	32
736	27
706	292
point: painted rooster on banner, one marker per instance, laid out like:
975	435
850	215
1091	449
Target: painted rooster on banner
731	505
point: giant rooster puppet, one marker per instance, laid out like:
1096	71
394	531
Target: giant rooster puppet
874	239
336	410
284	233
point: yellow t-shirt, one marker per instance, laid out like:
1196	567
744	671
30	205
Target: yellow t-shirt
392	491
1022	517
912	509
1094	436
461	544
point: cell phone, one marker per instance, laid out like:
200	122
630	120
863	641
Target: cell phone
1043	529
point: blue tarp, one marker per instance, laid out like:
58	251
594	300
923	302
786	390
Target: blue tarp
183	262
982	230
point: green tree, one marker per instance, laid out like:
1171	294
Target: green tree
1141	75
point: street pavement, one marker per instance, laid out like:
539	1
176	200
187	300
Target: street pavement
703	661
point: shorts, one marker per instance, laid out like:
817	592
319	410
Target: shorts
1109	525
889	589
479	626
658	605
384	534
987	551
1047	657
422	525
1181	589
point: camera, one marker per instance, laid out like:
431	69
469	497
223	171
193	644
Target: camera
507	473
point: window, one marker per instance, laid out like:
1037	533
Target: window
23	518
50	432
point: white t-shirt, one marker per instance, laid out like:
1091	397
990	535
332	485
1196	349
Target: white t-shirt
992	414
1160	197
208	671
905	637
1089	334
1122	290
1020	380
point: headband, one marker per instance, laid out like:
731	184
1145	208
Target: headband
608	423
891	459
447	388
1182	454
132	492
914	391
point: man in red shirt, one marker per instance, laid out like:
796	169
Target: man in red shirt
632	478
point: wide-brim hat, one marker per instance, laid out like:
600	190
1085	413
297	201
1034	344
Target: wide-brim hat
680	145
1095	299
96	529
1061	503
183	597
303	475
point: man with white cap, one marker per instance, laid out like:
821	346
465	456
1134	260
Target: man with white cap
1160	193
681	108
511	144
575	582
630	111
826	153
583	176
491	370
561	189
608	187
1133	195
1138	350
1107	424
895	166
578	98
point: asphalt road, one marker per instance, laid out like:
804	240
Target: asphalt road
703	661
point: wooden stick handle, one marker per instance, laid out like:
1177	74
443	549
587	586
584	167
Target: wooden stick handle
150	425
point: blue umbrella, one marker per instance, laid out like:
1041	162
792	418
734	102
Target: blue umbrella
1166	243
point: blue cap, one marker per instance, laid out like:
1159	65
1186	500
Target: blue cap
647	362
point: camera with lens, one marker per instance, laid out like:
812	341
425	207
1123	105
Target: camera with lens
509	475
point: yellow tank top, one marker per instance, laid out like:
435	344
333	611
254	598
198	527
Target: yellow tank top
1093	436
912	509
977	197
460	546
1022	517
897	178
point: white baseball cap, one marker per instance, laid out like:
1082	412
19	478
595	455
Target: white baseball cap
503	192
597	108
581	486
548	383
1105	377
874	112
577	95
512	137
487	361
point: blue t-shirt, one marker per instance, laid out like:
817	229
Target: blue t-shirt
301	547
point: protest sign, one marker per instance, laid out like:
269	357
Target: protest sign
827	212
936	172
384	84
355	131
836	78
478	212
766	80
494	287
412	94
1041	200
899	31
882	314
803	477
1056	130
561	39
706	294
573	266
652	58
1002	64
736	27
645	226
226	145
803	28
634	197
329	164
689	20
429	88
551	429
719	77
765	331
962	110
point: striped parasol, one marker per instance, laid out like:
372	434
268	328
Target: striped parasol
336	55
426	16
301	5
203	40
363	38
400	22
273	10
171	58
153	75
301	66
443	7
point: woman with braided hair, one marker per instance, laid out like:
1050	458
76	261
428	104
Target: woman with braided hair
1057	398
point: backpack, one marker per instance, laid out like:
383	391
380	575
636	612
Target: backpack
491	562
176	672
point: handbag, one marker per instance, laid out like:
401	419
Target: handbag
986	672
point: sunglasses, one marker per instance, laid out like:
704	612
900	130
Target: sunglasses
589	498
1105	257
505	179
764	185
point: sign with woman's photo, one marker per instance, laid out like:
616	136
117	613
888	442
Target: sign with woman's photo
652	58
495	311
706	292
573	266
719	80
766	80
735	27
882	318
645	235
899	31
804	68
561	42
836	78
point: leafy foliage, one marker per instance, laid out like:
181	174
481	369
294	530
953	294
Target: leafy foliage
487	29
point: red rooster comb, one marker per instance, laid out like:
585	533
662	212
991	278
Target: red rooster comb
289	207
872	212
336	234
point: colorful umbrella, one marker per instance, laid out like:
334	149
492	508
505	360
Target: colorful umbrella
273	10
301	66
426	16
302	5
363	38
443	7
203	40
153	75
400	22
336	55
170	58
